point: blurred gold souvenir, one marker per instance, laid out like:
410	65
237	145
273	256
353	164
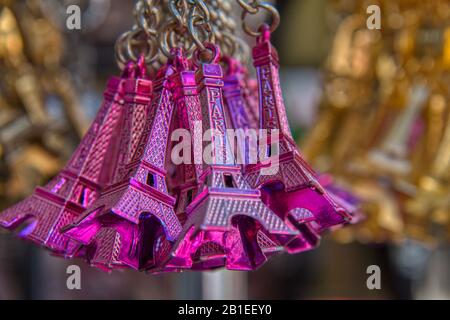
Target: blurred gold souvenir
384	123
33	142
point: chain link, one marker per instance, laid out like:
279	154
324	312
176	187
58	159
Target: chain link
249	7
161	25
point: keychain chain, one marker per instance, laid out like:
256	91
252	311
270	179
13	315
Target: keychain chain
161	25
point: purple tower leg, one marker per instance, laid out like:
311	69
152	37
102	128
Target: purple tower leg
251	96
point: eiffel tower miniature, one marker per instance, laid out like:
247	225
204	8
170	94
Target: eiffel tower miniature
291	189
252	105
241	91
238	111
133	220
223	213
67	195
242	117
243	107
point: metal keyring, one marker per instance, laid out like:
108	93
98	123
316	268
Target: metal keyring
242	50
229	43
215	54
275	19
200	4
196	20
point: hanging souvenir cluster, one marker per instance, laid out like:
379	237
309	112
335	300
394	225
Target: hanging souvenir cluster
384	129
33	141
124	200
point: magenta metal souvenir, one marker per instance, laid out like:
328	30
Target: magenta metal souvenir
66	196
133	220
250	89
227	224
292	190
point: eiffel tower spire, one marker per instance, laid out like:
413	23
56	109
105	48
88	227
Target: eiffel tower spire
134	216
225	215
67	195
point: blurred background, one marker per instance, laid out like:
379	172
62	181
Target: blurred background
349	93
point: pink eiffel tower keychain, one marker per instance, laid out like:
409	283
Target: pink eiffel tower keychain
242	117
237	108
251	97
67	195
293	191
225	215
134	218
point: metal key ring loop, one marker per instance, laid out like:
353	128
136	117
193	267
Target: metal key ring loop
180	16
147	19
228	43
189	46
192	27
168	39
197	21
120	49
274	14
